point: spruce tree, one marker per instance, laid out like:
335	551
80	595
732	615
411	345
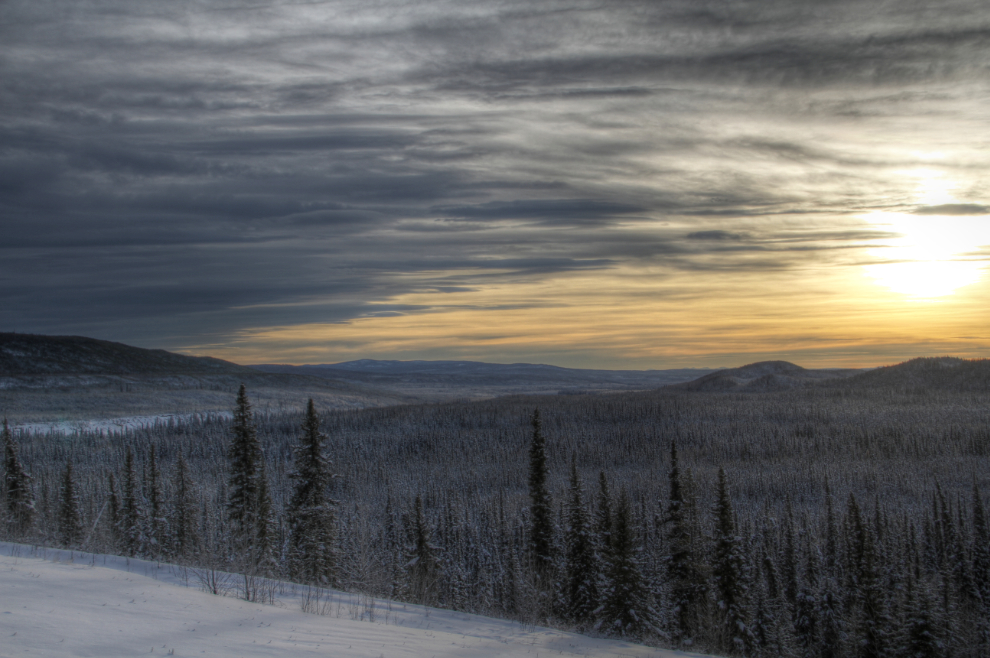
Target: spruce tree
730	575
113	502
132	511
628	610
581	570
603	518
806	609
831	621
981	566
789	559
831	533
157	523
310	513
245	457
17	489
922	636
873	622
263	560
683	572
69	521
185	538
422	565
541	506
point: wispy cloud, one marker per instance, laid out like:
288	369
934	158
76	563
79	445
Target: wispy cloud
178	174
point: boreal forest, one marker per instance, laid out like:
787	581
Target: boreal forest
843	518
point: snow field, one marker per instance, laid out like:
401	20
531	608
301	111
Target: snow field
63	603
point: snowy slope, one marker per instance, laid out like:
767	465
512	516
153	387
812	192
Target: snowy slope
57	603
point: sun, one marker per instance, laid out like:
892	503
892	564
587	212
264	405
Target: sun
926	280
928	256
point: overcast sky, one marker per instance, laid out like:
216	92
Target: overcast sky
619	185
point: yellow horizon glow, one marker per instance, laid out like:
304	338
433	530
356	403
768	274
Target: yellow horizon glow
818	316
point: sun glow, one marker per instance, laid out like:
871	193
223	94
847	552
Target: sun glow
929	256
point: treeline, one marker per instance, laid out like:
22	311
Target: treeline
803	524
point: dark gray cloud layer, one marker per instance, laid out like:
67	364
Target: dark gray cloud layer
170	171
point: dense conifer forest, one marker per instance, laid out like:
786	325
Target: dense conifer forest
812	522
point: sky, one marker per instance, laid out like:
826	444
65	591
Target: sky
652	184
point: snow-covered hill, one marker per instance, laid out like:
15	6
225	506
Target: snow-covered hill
62	603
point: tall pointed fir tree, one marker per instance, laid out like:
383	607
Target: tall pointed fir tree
421	568
185	540
157	522
17	489
131	531
731	577
628	610
113	505
582	566
872	628
69	520
603	518
245	458
311	556
807	626
541	506
981	566
921	636
687	589
263	558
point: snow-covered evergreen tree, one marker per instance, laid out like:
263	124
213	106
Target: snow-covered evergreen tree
685	578
17	489
114	514
807	622
731	577
981	567
582	565
628	610
69	520
244	455
132	532
263	552
311	556
185	539
921	636
157	521
421	568
541	506
831	623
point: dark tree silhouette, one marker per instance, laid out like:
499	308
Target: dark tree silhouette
17	489
541	506
310	513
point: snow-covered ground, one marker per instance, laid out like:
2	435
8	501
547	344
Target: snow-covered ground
62	603
112	424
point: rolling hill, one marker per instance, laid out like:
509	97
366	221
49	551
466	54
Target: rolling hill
57	379
763	376
925	374
473	379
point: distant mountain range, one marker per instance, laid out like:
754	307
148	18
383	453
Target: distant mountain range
511	378
926	374
31	361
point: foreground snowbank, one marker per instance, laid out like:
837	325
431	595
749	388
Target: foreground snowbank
62	603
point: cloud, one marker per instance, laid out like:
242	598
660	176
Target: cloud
954	209
174	171
547	211
716	235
